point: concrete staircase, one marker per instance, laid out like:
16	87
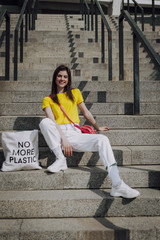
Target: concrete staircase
75	204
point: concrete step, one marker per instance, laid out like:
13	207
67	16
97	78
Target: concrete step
128	137
81	177
76	203
51	66
81	66
125	228
124	155
80	57
80	74
41	35
113	122
90	86
46	47
134	137
119	89
50	26
89	65
35	109
137	137
46	40
46	75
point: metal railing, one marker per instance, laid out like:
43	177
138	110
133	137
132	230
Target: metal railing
85	10
34	13
104	23
153	15
28	9
96	10
138	36
136	5
6	34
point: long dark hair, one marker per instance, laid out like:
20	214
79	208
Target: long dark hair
68	87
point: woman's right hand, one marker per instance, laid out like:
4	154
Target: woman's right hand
67	148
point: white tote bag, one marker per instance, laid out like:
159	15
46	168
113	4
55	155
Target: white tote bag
20	150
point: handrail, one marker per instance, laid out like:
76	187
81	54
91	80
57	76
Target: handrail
18	26
95	7
138	36
153	12
27	8
20	19
151	52
4	14
85	2
135	13
104	22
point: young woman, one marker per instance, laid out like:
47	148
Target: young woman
63	137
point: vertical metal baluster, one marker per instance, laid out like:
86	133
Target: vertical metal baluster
121	55
110	55
29	10
15	54
136	74
102	41
81	3
21	42
82	10
88	20
135	12
7	50
153	16
122	5
26	27
142	19
85	21
128	7
92	24
96	24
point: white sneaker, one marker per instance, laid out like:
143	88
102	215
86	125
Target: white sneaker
58	165
124	191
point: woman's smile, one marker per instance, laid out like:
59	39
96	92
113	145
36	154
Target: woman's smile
62	81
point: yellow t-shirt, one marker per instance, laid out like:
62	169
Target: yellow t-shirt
69	106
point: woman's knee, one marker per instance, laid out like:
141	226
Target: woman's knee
103	139
46	123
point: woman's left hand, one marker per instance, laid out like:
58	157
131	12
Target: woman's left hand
104	128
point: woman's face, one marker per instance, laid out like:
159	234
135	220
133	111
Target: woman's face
62	80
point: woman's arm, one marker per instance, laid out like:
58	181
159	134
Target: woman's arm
88	115
67	148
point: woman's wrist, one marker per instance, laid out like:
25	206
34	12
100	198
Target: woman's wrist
95	125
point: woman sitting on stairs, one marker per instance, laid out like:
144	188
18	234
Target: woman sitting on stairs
60	134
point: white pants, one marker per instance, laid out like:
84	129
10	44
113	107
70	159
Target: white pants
80	142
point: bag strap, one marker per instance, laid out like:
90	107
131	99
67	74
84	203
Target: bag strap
67	116
65	113
76	125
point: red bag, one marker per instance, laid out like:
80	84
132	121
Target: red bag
84	129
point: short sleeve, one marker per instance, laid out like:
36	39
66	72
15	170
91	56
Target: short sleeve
79	97
46	102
